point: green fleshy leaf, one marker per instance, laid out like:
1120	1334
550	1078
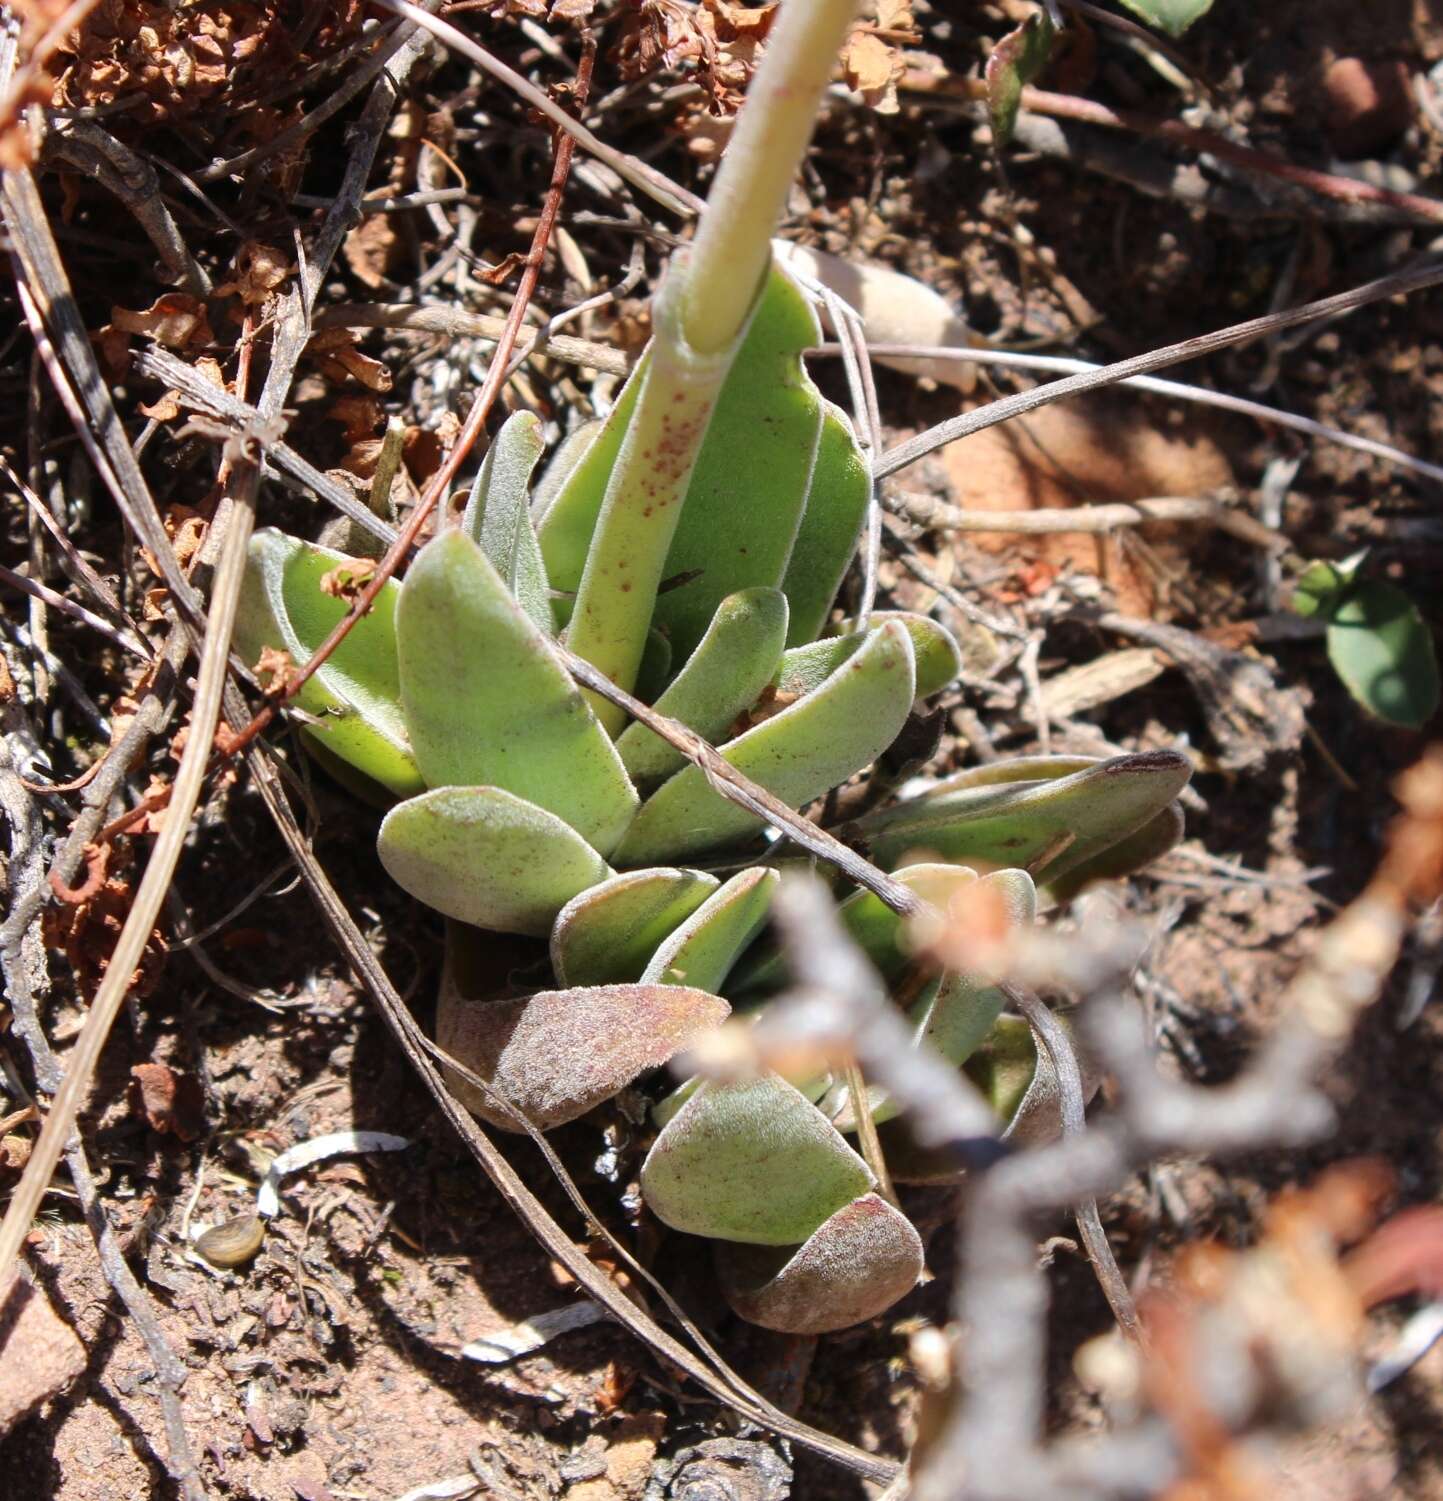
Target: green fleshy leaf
1172	16
606	934
356	693
749	489
855	1265
486	857
1000	822
1137	851
498	515
488	702
837	501
573	487
569	453
725	675
811	746
703	949
627	559
870	923
1383	651
560	1053
938	658
776	498
1015	61
751	1162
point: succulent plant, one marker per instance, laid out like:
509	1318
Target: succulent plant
514	810
690	547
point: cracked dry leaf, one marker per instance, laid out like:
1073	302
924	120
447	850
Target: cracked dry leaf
259	271
175	319
871	67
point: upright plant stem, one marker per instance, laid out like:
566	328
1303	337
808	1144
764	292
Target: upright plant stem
700	314
732	246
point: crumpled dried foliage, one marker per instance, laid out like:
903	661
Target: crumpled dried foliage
177	58
720	44
86	931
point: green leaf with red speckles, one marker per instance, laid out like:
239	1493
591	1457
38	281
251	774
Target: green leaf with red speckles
776	497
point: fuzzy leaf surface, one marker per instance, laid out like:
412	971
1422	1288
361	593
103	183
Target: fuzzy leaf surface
753	1162
498	515
1014	823
725	675
559	1053
487	857
810	747
606	934
356	694
837	501
703	949
939	659
853	1267
488	702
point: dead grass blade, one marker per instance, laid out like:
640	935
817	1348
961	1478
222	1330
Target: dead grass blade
1398	284
518	1196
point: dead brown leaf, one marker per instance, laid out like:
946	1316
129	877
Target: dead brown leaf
872	68
273	666
175	319
346	580
371	249
260	270
172	1103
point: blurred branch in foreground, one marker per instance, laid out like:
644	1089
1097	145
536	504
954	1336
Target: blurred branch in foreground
1245	1347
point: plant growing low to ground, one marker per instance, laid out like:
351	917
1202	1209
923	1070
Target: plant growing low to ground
691	548
763	830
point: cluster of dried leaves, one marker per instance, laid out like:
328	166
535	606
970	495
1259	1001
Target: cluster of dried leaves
719	44
168	62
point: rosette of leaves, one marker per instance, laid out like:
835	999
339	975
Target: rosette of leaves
517	804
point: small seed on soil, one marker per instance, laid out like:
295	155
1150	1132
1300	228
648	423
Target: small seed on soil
233	1242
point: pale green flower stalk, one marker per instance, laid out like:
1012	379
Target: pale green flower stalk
700	314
